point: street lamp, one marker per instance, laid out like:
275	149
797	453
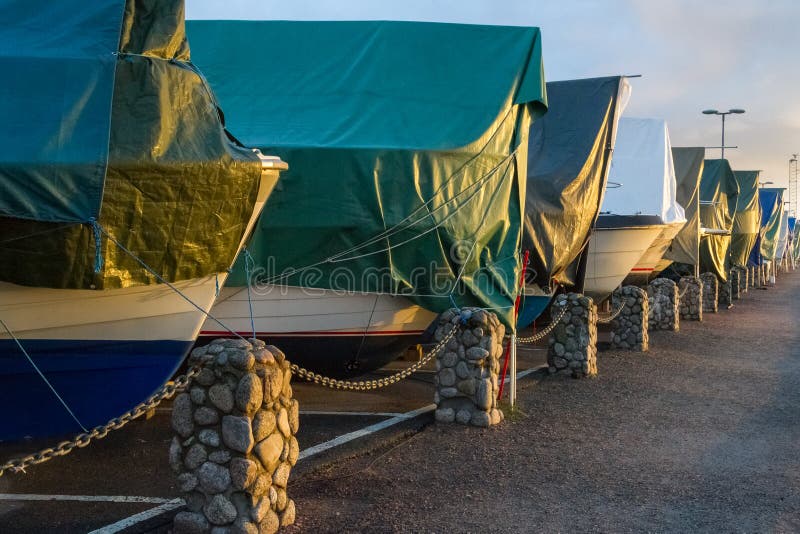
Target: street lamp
735	111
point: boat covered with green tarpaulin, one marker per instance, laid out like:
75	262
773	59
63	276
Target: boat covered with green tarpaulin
407	148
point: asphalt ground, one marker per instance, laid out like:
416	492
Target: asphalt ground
106	483
699	434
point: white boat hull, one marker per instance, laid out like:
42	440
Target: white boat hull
339	332
652	261
613	252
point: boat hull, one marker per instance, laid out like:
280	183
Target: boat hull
331	332
613	252
652	261
102	351
531	307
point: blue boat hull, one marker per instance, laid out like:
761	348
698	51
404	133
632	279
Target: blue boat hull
531	308
98	379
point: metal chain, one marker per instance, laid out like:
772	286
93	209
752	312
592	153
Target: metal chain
367	385
80	441
606	320
536	337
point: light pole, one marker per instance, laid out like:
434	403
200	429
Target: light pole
735	111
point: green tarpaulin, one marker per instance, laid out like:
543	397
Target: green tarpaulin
106	119
568	155
688	162
718	195
407	147
771	230
747	219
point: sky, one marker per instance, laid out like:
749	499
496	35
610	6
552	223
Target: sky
692	55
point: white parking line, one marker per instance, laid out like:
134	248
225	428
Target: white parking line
362	414
138	518
83	498
344	438
394	418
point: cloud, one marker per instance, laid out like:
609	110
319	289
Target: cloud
693	54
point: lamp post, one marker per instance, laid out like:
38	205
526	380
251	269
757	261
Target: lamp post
735	111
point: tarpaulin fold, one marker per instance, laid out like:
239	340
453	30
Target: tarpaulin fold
747	219
407	147
568	158
770	199
110	121
718	199
688	162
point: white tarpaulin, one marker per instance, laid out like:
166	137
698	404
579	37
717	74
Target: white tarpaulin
783	236
642	177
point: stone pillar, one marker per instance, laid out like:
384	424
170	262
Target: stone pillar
691	298
733	276
468	368
710	292
725	294
235	440
744	284
664	305
629	327
573	343
751	277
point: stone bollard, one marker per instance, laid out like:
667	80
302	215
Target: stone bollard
629	328
664	305
751	276
710	292
725	295
690	295
468	368
733	277
235	444
744	283
573	343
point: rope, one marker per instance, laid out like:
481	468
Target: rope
41	374
339	257
368	385
249	263
613	316
541	335
19	465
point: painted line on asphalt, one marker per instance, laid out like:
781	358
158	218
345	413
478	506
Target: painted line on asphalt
138	518
366	431
361	414
82	498
394	419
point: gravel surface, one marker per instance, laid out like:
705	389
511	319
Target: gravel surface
699	434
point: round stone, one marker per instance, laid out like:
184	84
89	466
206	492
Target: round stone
190	523
288	514
283	422
270	524
241	359
281	475
294	416
195	456
198	395
249	393
243	472
263	424
445	415
206	416
221	397
182	415
220	457
269	451
463	416
220	511
273	384
237	433
187	482
447	377
209	437
213	478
